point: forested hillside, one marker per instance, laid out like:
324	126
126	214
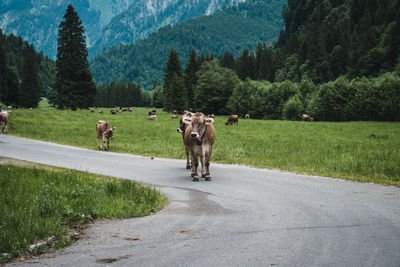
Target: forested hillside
144	17
325	39
232	29
13	51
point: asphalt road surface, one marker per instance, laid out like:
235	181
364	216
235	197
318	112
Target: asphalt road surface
243	217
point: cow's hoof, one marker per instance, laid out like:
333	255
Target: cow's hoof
208	179
188	167
195	179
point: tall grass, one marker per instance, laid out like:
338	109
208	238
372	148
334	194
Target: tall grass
36	203
363	151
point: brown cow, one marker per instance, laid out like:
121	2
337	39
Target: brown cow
306	117
104	131
181	129
232	119
200	137
152	117
247	116
113	112
4	116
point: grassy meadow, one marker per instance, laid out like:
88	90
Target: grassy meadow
361	151
57	200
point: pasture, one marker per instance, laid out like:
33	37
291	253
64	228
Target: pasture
359	151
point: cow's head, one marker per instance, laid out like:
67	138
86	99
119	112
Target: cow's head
109	133
199	123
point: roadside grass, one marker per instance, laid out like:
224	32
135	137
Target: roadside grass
360	151
39	201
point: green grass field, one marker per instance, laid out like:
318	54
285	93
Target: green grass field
38	201
361	151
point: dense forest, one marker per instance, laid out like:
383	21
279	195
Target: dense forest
13	73
325	63
232	29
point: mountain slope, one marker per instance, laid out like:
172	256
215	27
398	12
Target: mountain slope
37	21
147	16
232	29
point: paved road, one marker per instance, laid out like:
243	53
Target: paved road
244	217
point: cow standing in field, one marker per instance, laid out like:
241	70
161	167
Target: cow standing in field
306	117
104	131
247	117
232	119
4	116
199	137
181	129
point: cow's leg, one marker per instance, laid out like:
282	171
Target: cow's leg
104	142
195	162
188	164
5	128
108	143
208	156
203	164
99	137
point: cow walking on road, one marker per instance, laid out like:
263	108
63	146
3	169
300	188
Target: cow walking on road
104	131
199	137
181	129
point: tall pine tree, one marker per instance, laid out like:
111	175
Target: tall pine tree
74	82
175	95
190	78
29	94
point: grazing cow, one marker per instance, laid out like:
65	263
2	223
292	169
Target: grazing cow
247	117
199	137
104	131
181	129
100	111
175	111
4	116
174	116
91	110
306	117
232	119
113	112
152	117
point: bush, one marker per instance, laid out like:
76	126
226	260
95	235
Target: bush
293	108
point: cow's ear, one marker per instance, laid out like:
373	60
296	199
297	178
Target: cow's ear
209	120
186	120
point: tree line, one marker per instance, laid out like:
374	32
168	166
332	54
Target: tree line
25	75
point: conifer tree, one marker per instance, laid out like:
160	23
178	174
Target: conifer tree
74	81
190	78
29	94
3	72
175	95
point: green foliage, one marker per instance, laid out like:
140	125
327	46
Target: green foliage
232	29
214	87
157	99
73	81
293	108
36	203
240	101
190	78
